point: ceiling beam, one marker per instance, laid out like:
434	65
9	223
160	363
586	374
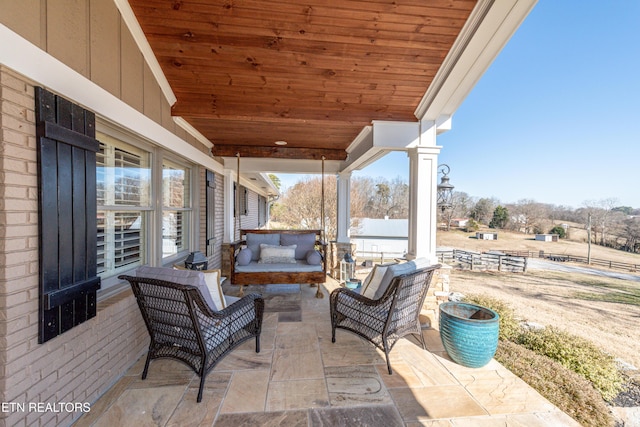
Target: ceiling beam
278	152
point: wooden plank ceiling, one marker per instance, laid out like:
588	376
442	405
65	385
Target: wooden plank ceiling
313	73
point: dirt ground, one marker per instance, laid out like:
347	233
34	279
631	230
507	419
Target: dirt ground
548	299
552	298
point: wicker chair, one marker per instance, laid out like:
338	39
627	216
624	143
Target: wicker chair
183	327
383	321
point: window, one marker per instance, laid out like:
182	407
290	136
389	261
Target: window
144	212
123	176
176	212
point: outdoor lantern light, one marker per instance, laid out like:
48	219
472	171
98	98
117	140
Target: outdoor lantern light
347	268
445	189
196	261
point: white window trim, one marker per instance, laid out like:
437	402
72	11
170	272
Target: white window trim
193	217
153	241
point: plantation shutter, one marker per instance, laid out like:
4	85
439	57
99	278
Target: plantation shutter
211	212
67	214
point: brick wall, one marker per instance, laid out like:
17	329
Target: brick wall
81	364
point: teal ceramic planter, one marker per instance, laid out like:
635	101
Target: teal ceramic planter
469	333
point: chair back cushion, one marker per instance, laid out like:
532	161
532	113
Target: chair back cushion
397	270
212	279
373	281
182	277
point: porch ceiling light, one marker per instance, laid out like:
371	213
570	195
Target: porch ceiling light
281	142
445	189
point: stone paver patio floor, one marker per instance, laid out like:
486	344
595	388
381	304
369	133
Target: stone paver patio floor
301	378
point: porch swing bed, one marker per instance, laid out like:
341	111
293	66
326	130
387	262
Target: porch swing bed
262	257
265	256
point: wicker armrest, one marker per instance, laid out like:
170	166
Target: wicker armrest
343	299
251	300
217	327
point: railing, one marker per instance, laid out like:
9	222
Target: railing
377	256
451	255
594	261
491	261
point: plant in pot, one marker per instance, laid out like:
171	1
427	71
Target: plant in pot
469	333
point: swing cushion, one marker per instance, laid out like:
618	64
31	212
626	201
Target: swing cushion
314	257
277	254
304	243
254	240
244	256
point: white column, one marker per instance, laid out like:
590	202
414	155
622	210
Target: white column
229	203
344	207
423	175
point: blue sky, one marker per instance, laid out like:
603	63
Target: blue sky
556	118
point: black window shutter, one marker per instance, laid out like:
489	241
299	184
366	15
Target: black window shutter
211	212
67	213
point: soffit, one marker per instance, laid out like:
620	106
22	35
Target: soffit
313	74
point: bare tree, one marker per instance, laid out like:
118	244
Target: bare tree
361	190
632	234
399	199
300	206
483	210
460	205
601	216
527	215
380	198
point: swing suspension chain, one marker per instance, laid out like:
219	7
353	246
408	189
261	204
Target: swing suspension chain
322	224
238	213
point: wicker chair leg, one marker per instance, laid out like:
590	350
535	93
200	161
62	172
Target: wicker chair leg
203	376
258	343
199	399
146	365
422	341
386	354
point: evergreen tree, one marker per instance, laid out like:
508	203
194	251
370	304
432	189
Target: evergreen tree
500	217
